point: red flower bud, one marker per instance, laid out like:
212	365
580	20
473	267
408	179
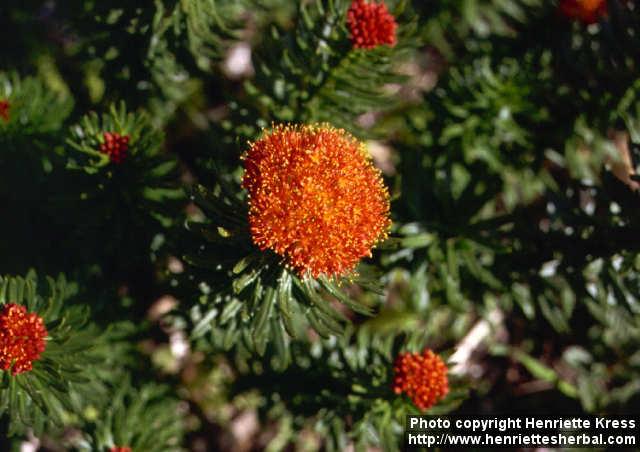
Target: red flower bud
586	11
115	145
22	338
4	110
371	25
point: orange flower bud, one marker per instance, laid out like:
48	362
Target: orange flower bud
422	377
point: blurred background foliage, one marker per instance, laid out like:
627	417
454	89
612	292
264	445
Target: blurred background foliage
509	136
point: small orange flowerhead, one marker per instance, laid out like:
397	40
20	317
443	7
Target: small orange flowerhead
115	145
120	449
4	110
586	11
315	198
371	24
22	338
422	377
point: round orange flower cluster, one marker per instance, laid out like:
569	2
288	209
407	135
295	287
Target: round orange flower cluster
315	198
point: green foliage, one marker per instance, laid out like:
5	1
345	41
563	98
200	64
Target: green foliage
628	111
86	137
142	419
39	398
252	297
352	394
451	24
35	110
123	52
138	197
209	26
36	114
483	120
319	77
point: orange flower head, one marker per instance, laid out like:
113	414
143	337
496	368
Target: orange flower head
4	110
116	146
371	25
120	449
586	11
22	338
423	377
315	198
